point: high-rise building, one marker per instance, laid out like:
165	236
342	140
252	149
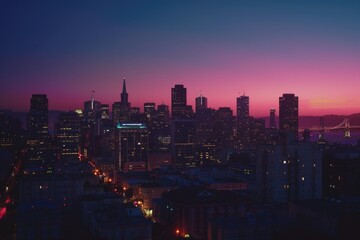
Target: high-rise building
11	133
200	103
37	127
257	130
132	147
92	110
242	121
272	118
104	111
205	121
116	112
289	171
121	110
161	126
149	108
205	136
136	116
182	129
183	143
178	102
289	115
224	127
68	130
150	116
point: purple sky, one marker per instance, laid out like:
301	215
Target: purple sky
217	48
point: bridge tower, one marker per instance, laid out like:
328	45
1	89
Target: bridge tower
347	129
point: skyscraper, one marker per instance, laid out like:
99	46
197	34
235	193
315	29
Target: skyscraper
162	128
149	108
224	127
272	118
289	171
104	111
289	114
68	130
178	102
11	132
200	103
121	110
37	127
257	130
205	138
91	110
150	116
132	146
124	95
183	143
182	129
242	121
116	112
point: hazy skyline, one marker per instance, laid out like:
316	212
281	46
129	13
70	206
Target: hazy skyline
66	49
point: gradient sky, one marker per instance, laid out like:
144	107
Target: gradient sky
66	49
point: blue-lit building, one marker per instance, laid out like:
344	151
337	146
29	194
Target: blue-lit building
132	147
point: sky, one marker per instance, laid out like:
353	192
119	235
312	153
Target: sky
221	49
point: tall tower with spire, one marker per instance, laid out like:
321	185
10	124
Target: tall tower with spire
121	110
124	95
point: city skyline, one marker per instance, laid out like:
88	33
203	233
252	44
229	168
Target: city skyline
67	50
180	120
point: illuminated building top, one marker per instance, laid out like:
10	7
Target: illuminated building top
131	125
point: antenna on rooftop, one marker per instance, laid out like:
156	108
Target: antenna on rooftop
92	99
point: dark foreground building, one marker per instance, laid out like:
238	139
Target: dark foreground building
188	210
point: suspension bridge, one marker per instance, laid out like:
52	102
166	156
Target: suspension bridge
343	126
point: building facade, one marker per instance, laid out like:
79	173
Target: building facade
38	127
289	114
132	147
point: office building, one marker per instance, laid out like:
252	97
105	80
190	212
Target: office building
289	171
289	115
183	143
150	119
38	127
161	125
132	147
205	140
104	111
149	108
188	210
224	127
257	130
92	110
178	102
68	130
272	118
242	121
200	103
11	133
